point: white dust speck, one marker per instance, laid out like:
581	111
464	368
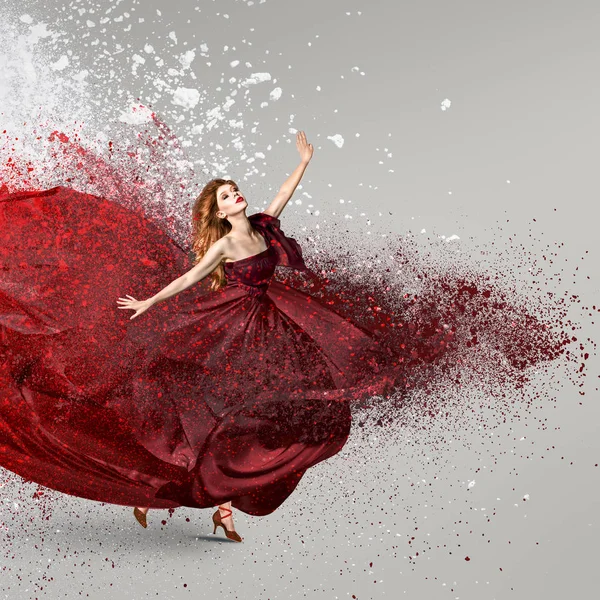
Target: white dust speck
186	97
256	78
91	24
337	139
452	237
173	36
275	94
137	61
445	104
234	63
148	49
136	115
61	63
81	75
471	483
39	32
187	58
26	19
423	231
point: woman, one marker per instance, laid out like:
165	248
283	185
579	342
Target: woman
223	398
224	234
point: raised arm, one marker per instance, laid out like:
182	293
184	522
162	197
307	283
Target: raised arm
207	264
289	186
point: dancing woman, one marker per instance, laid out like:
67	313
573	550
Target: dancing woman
222	397
223	233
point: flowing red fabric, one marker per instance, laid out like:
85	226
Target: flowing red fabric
207	397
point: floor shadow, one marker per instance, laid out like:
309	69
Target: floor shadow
209	538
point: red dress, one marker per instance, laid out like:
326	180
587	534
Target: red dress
207	397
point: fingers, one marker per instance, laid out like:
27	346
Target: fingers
301	140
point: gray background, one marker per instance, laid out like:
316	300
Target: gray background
522	81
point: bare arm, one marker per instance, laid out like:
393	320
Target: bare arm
291	183
208	263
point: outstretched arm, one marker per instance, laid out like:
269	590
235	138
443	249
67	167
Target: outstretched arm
209	262
287	189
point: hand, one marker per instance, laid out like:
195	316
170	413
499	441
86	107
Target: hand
306	150
139	306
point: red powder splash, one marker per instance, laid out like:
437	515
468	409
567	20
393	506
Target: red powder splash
462	330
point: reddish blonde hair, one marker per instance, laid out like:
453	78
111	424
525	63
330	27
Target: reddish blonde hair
207	228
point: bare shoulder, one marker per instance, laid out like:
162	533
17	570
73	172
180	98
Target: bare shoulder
224	246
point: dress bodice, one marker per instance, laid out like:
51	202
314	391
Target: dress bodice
255	272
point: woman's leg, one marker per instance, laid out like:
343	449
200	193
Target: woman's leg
227	521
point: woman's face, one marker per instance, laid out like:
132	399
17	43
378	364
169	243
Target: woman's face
230	200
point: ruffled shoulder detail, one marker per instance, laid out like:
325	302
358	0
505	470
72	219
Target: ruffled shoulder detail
288	249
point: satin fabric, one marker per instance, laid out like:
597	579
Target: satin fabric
209	396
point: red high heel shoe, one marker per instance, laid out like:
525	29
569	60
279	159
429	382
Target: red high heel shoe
232	535
140	516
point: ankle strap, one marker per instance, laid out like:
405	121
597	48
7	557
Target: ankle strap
225	508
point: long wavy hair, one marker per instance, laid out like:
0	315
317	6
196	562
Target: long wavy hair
207	228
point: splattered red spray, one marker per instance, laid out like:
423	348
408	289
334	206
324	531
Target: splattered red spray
227	395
